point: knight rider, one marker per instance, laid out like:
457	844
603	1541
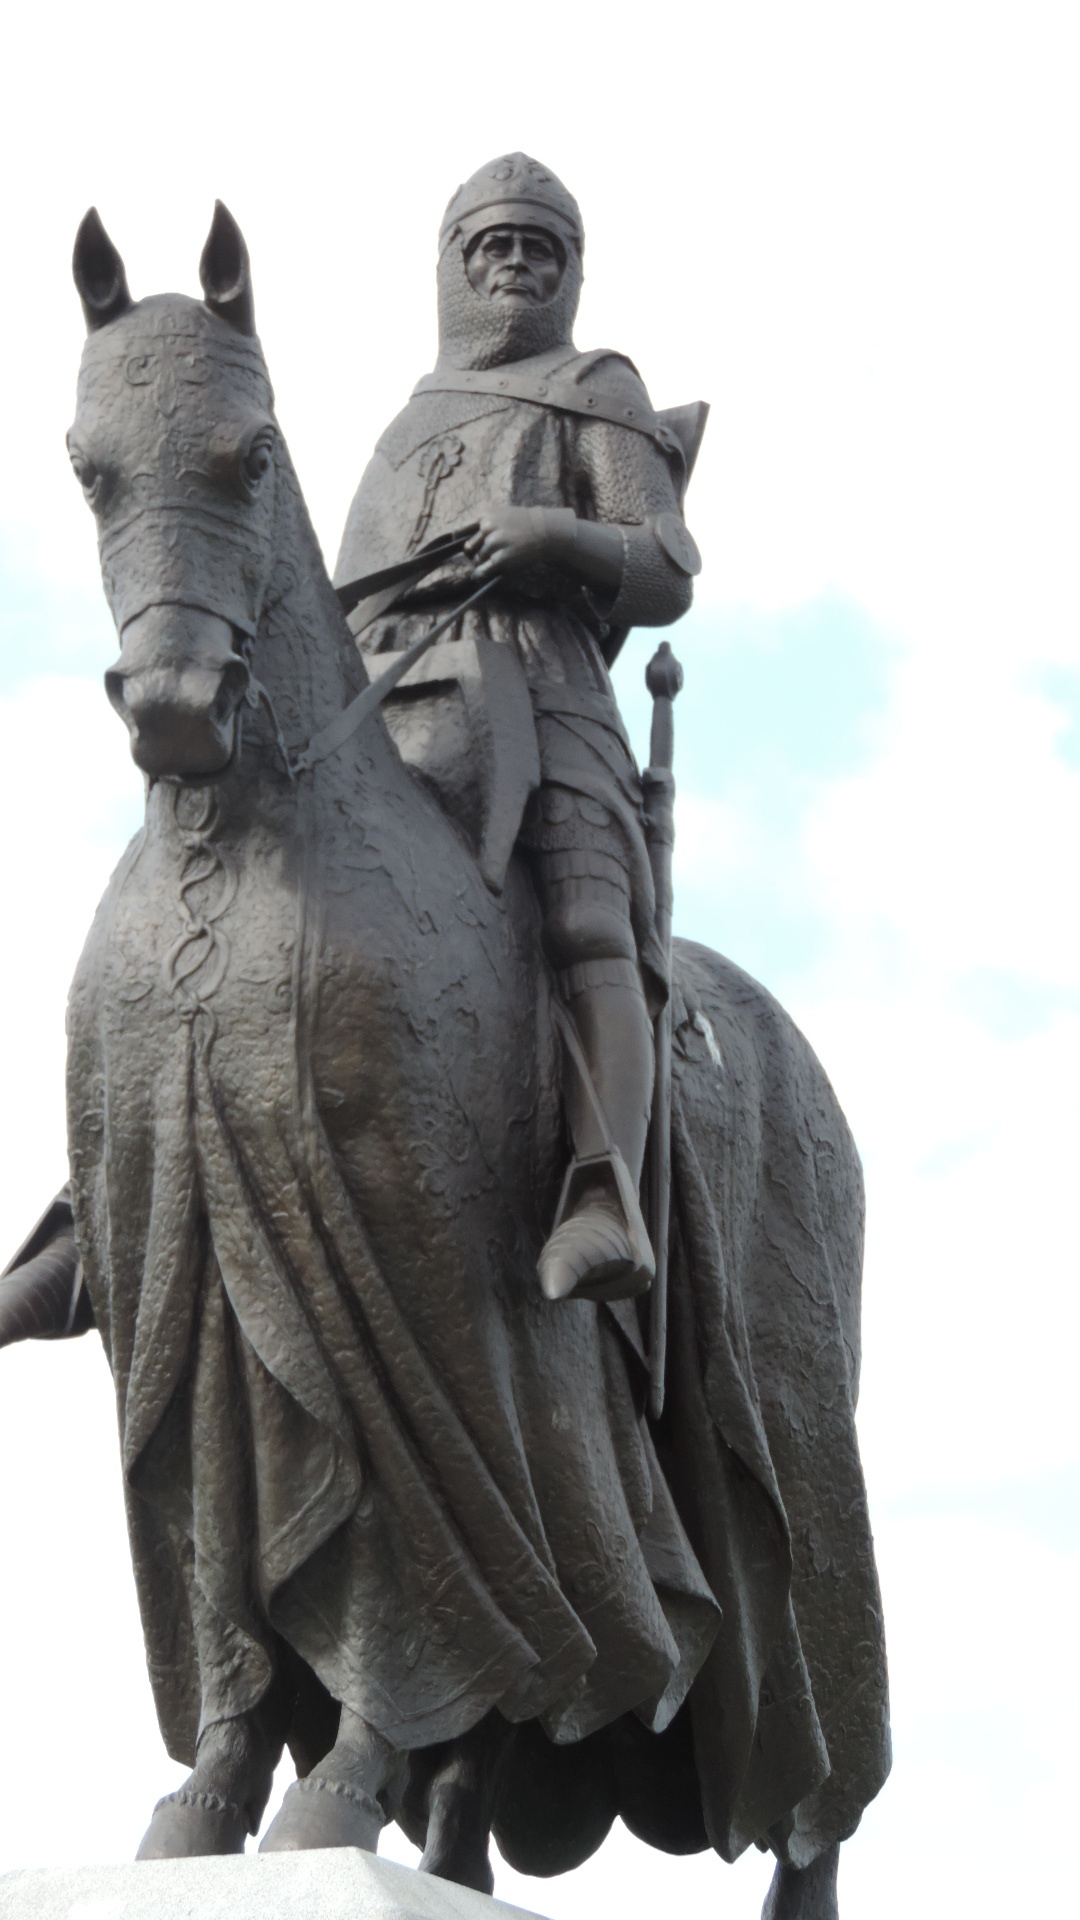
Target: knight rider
574	484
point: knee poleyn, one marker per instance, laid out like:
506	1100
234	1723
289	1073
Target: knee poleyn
577	931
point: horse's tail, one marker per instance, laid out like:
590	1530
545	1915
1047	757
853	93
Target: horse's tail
763	1376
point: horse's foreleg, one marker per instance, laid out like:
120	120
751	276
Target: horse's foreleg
223	1799
808	1893
346	1799
461	1802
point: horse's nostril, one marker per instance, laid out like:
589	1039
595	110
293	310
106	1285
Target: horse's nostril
114	688
177	686
231	689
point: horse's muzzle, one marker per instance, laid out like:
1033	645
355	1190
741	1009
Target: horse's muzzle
177	686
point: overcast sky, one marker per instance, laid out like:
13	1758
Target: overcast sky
854	230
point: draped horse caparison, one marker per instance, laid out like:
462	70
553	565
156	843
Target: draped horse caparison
387	1503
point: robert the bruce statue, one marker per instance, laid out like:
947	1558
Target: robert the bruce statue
573	485
391	1502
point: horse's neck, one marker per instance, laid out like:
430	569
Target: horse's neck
305	656
306	663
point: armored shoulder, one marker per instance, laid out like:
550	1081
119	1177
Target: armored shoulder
615	377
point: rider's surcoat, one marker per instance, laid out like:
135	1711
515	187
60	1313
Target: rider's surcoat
453	452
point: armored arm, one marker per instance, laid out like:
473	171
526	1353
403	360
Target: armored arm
555	536
631	546
632	488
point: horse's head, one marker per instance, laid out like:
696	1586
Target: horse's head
174	445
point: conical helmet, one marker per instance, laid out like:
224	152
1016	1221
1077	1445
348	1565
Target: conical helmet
515	191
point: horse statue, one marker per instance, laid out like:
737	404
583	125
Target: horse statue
388	1504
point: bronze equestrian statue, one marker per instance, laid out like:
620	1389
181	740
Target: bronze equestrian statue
369	981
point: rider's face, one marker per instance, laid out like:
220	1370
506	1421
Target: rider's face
516	266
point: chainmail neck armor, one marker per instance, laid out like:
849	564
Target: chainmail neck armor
479	333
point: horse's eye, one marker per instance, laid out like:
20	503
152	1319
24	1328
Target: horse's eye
258	460
85	471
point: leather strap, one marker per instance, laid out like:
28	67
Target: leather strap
405	572
565	394
344	724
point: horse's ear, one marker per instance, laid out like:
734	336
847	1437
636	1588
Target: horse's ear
99	273
225	272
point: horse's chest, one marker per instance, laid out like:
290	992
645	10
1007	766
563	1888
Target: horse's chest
392	1023
192	928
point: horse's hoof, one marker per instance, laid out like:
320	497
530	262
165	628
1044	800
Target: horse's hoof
324	1813
590	1257
807	1893
457	1849
465	1869
190	1822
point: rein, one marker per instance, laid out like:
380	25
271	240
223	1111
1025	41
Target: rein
380	589
344	724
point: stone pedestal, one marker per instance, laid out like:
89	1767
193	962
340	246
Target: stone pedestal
341	1884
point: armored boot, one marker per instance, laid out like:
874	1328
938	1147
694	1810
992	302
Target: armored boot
599	1248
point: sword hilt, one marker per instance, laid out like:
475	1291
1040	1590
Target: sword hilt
664	679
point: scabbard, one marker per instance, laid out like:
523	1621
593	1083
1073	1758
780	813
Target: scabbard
664	678
659	788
